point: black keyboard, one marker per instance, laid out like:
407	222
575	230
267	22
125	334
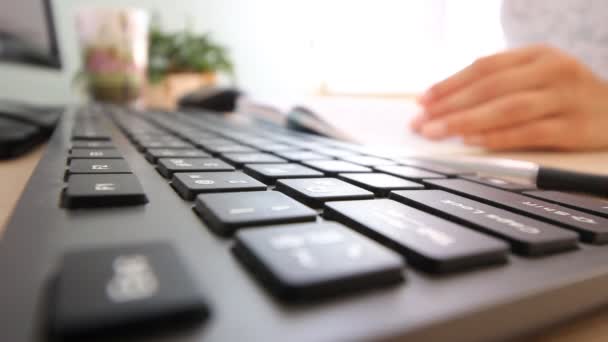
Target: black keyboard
168	226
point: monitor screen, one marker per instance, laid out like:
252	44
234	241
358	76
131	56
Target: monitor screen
27	33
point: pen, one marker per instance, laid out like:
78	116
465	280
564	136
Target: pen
544	177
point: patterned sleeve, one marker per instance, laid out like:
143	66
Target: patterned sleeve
578	27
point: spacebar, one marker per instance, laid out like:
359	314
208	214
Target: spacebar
591	228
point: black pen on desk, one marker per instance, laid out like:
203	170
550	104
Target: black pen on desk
547	178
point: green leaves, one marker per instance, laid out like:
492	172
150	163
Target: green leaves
185	51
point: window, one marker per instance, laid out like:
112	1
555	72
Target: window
369	46
388	46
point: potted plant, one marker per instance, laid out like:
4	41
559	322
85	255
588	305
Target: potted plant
181	62
113	41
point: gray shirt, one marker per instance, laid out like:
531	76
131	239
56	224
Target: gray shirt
579	27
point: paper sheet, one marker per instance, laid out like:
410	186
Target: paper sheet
377	122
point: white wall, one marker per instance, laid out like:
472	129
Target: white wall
291	46
47	85
258	32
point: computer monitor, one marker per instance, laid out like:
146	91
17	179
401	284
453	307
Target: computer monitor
27	33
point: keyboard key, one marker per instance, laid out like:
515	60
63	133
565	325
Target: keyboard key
230	148
269	173
173	144
85	153
527	236
367	160
334	152
239	159
228	211
153	154
143	130
188	185
167	166
428	242
91	144
298	156
316	191
195	137
97	166
429	166
307	260
155	140
333	167
500	183
380	183
408	172
106	291
308	145
90	133
594	205
155	137
212	142
103	190
593	229
274	147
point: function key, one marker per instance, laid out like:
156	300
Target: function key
103	190
333	167
269	173
98	166
128	288
85	153
306	260
593	229
500	183
153	154
380	183
594	205
91	144
240	159
408	172
188	185
428	242
316	191
226	212
527	236
167	166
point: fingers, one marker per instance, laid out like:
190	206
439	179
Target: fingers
497	113
435	101
536	97
480	68
521	78
543	133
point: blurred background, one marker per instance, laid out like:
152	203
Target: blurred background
283	47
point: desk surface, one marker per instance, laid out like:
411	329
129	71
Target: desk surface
14	175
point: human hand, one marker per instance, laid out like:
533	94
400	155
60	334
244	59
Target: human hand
532	97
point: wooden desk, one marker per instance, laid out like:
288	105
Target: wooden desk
590	328
14	175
